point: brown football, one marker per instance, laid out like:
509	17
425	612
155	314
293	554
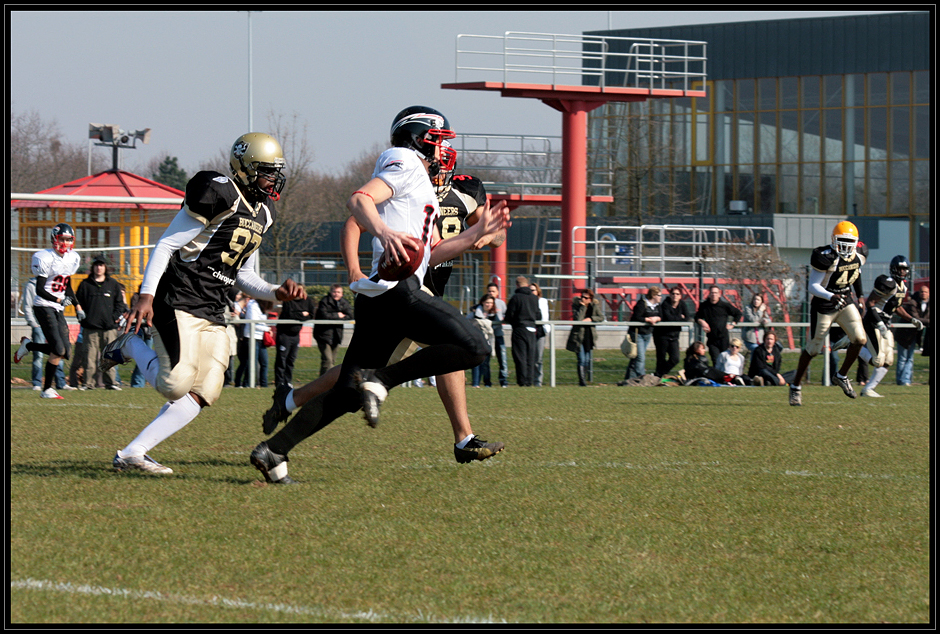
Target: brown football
403	270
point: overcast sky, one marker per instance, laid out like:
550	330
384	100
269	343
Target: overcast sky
184	74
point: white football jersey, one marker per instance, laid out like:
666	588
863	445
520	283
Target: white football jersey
413	207
57	269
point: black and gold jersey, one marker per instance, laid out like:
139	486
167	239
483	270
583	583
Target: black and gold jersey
886	295
463	198
201	272
840	275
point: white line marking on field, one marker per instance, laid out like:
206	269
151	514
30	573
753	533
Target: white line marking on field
104	405
221	602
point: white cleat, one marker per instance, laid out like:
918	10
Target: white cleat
49	393
871	393
21	351
140	463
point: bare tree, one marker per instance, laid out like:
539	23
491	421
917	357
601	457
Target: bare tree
40	159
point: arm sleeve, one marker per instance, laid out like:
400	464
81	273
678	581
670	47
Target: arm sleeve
41	289
249	282
815	284
181	232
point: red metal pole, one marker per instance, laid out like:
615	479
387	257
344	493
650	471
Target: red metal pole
498	268
573	195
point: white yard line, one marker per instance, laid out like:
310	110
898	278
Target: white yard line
221	602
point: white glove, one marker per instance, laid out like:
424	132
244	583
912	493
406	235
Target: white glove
66	301
917	323
80	314
882	327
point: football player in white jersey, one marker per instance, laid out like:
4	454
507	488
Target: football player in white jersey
464	206
210	246
835	274
53	268
398	204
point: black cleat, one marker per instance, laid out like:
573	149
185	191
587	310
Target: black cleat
271	465
796	396
277	413
477	449
846	385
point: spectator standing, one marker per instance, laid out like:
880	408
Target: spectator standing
765	362
100	297
907	339
716	315
287	340
27	298
541	332
646	311
922	298
329	337
666	338
499	348
582	339
485	317
521	313
756	311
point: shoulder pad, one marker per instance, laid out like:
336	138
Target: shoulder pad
823	258
207	193
471	186
885	285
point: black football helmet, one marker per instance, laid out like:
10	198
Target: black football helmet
424	129
900	268
63	238
258	152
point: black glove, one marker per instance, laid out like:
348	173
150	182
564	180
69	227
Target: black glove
840	300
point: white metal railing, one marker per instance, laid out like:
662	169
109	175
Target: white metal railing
531	164
661	250
586	60
552	337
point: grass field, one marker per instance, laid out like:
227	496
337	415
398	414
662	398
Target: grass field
608	505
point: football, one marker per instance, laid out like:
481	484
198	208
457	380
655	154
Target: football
403	270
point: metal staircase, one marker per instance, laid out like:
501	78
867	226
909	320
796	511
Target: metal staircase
549	258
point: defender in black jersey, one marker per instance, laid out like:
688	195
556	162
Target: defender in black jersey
834	276
209	247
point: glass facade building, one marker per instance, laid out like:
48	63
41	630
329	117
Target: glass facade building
823	116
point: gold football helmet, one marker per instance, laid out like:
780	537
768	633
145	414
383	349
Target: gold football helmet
844	239
258	152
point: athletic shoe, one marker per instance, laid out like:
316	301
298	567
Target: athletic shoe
21	351
277	413
49	393
112	354
419	382
477	449
140	463
271	465
373	395
796	396
871	393
846	386
116	388
38	388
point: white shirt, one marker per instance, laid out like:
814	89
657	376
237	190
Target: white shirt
731	365
56	268
253	311
412	208
543	309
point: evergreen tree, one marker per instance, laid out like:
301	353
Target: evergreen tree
170	173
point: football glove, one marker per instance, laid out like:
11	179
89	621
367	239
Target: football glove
66	301
917	323
80	314
882	327
840	301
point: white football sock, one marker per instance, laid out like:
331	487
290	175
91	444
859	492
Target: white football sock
289	402
146	358
463	443
173	417
876	377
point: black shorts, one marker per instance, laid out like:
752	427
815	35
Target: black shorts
55	329
407	312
